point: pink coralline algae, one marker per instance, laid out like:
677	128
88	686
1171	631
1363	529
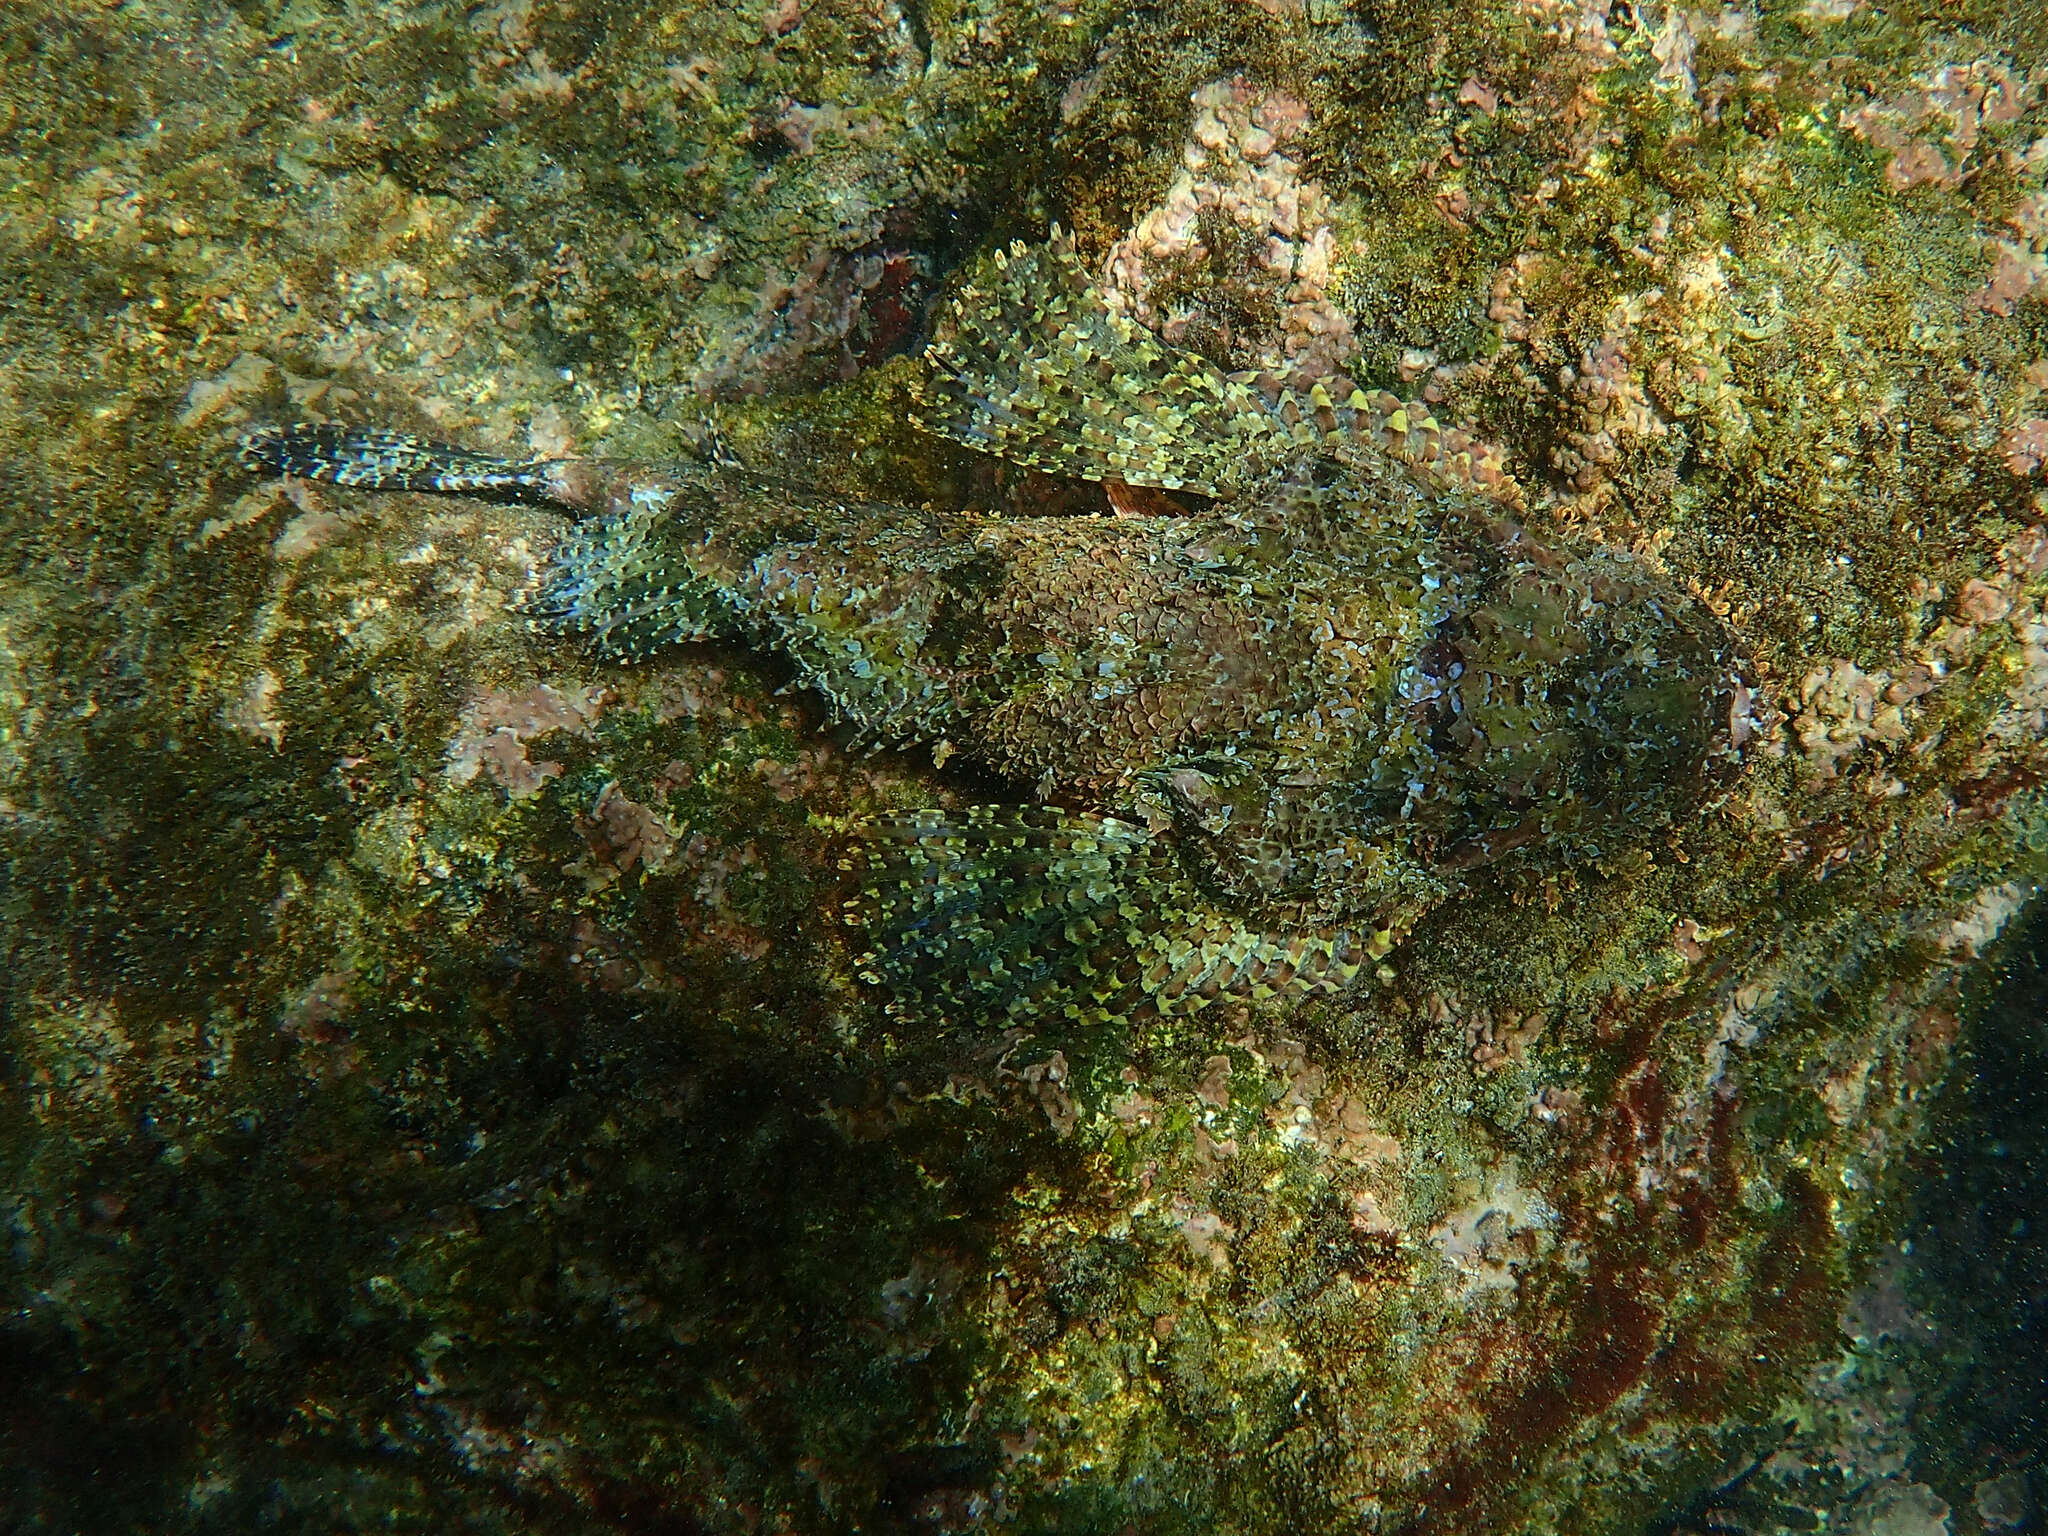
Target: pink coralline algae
1240	202
1612	411
496	728
1241	258
2026	446
1933	130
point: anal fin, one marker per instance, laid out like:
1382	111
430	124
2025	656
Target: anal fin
627	583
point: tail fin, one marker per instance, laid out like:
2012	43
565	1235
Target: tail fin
1034	368
624	578
1004	914
394	461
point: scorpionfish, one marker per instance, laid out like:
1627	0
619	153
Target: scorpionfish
1256	737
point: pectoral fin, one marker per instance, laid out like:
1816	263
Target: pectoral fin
1032	366
999	915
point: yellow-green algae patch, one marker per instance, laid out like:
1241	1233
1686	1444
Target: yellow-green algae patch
437	1093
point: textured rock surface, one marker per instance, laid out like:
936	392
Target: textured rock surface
437	1093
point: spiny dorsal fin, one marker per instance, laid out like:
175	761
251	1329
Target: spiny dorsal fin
1031	366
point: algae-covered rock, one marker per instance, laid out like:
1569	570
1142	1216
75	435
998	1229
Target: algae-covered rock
440	1089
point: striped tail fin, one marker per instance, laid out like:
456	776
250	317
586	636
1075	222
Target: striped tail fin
622	579
394	461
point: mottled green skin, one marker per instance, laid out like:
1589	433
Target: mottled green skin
385	1152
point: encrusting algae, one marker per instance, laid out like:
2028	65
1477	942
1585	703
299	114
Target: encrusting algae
1287	716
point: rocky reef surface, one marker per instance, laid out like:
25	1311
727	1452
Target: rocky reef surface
1926	1418
438	1093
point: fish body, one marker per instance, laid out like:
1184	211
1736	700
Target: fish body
1255	741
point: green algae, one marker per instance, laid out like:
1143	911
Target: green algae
388	1150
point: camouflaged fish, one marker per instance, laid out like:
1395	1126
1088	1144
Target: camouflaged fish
1255	743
